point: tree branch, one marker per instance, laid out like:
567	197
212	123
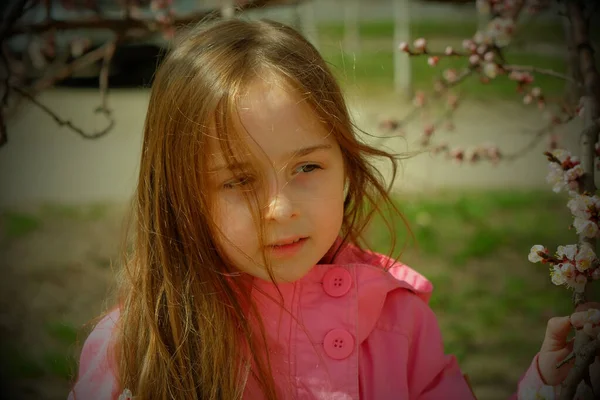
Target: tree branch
584	347
104	74
123	26
543	71
68	124
537	137
89	58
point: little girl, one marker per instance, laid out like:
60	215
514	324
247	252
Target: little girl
248	279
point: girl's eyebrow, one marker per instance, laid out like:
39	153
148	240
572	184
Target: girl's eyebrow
296	153
308	150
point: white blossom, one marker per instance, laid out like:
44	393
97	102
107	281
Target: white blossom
420	44
489	56
479	37
126	395
569	251
490	69
556	177
574	173
534	257
585	257
500	30
585	227
557	277
580	205
468	44
578	283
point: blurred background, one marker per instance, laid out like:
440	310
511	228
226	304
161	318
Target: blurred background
63	197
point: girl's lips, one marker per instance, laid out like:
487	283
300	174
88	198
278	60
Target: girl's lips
287	250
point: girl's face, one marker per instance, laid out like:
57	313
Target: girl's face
300	185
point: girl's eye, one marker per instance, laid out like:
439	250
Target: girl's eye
242	181
308	168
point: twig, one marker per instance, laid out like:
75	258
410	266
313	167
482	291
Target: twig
543	71
68	124
516	10
79	63
438	95
537	137
104	74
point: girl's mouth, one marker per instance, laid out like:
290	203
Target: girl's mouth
289	249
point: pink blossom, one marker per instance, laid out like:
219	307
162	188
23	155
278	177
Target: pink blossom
433	61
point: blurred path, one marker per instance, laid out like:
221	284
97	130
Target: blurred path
43	162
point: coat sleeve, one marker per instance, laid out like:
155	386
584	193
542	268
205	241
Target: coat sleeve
531	385
96	379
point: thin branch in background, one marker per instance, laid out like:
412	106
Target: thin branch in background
62	122
104	74
536	139
537	70
87	59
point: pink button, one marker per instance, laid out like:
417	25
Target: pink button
337	282
338	344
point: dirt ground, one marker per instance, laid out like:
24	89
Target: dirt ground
57	277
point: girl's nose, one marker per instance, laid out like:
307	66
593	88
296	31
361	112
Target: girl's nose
280	208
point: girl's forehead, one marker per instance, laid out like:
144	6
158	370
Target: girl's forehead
272	120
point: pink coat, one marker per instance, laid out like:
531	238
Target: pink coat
357	332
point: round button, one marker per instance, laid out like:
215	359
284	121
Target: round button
338	344
337	282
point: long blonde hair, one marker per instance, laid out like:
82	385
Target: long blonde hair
185	323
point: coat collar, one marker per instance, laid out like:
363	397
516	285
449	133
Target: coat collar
375	276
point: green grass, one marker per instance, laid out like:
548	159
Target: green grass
492	303
62	332
89	212
60	365
17	224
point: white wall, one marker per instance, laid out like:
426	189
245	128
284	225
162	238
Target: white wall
45	162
